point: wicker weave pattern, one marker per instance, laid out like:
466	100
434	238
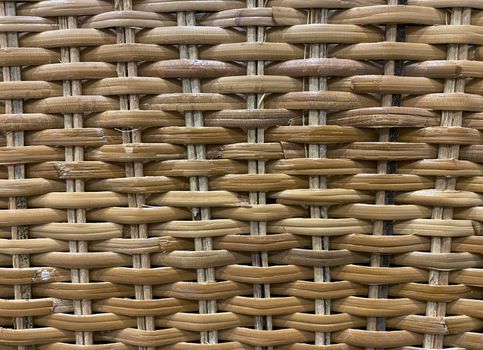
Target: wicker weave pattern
237	175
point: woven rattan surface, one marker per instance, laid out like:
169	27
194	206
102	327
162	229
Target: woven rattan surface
237	175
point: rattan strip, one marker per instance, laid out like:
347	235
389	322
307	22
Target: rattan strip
381	227
256	34
126	35
448	118
198	183
318	117
73	154
16	171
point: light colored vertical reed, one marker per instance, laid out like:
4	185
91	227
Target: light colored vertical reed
134	169
17	171
257	135
379	226
448	118
74	154
318	117
198	183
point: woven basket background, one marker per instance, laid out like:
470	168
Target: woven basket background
237	175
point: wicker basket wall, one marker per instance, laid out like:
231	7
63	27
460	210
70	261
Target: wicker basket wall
238	175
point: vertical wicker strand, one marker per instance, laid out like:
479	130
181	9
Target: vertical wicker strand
135	169
448	119
257	228
318	117
17	171
76	153
383	167
198	183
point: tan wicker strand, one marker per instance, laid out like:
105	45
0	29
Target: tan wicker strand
256	34
73	154
16	171
198	183
445	151
126	35
318	117
381	227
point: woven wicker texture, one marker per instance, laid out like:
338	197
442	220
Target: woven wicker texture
237	175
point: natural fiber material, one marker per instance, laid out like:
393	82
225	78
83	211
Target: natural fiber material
236	175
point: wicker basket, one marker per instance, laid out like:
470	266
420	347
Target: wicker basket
237	175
